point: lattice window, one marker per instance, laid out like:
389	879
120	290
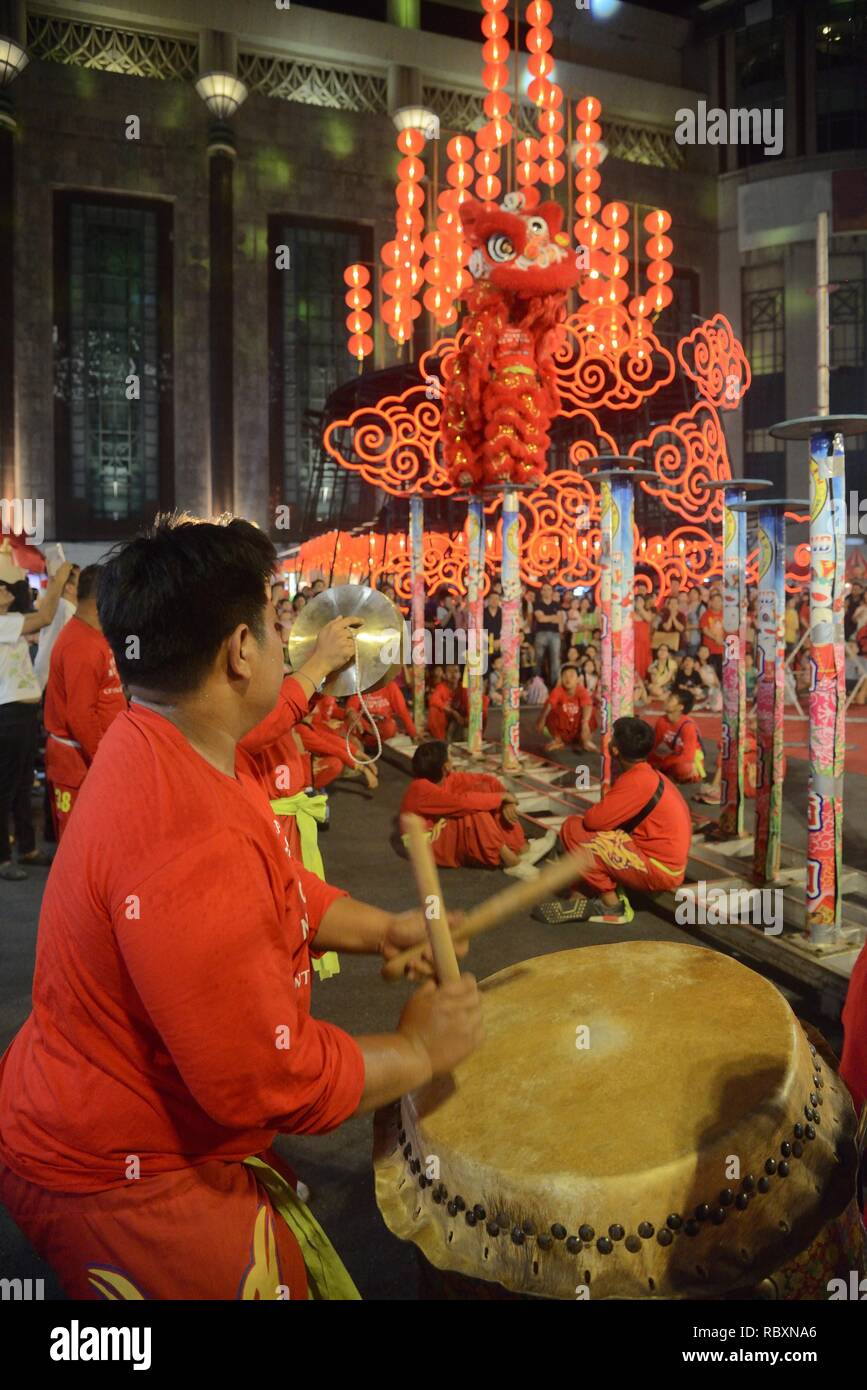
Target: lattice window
110	50
637	144
764	340
310	352
765	346
846	312
314	84
113	358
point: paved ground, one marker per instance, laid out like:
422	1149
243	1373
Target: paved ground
359	856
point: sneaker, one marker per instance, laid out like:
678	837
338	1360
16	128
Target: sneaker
12	872
580	909
537	849
37	859
522	870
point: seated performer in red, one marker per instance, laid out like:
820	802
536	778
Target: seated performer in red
386	706
444	716
170	1038
568	713
639	835
82	698
330	756
677	747
471	817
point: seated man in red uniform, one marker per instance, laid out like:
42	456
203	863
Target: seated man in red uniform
385	706
677	747
170	1038
639	835
471	817
568	713
82	698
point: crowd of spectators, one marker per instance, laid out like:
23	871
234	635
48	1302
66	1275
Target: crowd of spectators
678	638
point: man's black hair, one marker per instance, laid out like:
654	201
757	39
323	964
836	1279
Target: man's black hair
180	588
22	595
686	697
88	582
429	759
634	738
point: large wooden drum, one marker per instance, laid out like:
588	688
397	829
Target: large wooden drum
644	1120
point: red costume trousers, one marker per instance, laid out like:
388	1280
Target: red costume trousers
475	838
619	860
209	1232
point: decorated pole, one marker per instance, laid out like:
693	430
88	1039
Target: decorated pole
475	659
510	638
616	599
416	612
827	708
770	688
734	720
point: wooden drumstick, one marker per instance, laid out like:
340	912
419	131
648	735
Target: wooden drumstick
428	883
512	901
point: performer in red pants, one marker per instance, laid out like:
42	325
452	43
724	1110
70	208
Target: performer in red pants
639	835
386	706
677	749
471	817
568	713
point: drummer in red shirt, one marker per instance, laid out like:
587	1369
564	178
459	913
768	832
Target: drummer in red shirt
639	835
677	749
568	713
82	698
170	1038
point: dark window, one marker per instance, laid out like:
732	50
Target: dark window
760	77
841	60
765	402
848	356
308	360
113	363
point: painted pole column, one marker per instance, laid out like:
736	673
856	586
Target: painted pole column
476	660
622	598
510	640
770	692
416	612
734	681
606	508
827	705
734	685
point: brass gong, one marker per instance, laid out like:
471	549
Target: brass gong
379	638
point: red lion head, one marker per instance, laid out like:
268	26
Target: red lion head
518	248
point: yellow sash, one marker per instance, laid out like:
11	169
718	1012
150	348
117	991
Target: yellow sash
309	811
327	1276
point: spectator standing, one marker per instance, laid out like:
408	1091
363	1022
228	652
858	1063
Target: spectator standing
20	697
713	631
547	635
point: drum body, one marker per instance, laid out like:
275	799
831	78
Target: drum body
644	1120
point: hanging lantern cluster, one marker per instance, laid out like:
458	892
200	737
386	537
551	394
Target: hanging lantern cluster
446	273
497	130
659	248
403	277
546	95
358	320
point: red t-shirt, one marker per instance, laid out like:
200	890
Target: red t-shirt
675	744
458	794
711	625
82	698
569	707
172	966
384	704
665	834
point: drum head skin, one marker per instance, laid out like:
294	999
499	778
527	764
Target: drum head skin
644	1119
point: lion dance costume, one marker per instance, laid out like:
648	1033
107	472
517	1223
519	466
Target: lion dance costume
500	392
